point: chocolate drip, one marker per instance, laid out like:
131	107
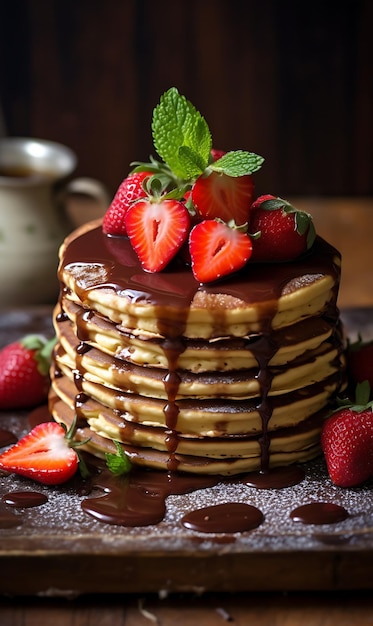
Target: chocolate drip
24	499
97	261
139	498
230	517
319	513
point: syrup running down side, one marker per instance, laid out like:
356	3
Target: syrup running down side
166	414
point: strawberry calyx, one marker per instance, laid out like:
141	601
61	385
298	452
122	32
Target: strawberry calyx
358	344
75	444
210	184
361	402
42	349
303	220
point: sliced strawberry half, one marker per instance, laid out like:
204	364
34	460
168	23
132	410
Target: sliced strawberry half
225	197
217	250
129	190
45	454
157	230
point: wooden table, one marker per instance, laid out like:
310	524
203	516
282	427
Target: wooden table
348	224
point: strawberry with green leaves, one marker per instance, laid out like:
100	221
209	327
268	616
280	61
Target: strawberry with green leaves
191	174
217	249
347	440
280	231
130	189
24	372
46	454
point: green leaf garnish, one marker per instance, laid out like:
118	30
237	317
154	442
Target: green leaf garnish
181	135
361	402
238	163
118	463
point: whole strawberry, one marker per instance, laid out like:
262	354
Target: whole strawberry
280	232
24	372
360	362
129	190
347	441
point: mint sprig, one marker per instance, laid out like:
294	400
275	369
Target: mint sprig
181	135
238	163
183	140
118	463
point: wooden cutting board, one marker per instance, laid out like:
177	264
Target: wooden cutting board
57	549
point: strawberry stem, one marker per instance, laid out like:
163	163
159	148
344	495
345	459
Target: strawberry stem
361	402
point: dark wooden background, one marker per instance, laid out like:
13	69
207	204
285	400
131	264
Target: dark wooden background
289	79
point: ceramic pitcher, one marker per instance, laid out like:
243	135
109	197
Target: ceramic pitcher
33	223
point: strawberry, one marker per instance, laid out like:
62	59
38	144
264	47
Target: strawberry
217	249
217	195
217	154
347	441
45	454
280	232
129	190
360	362
157	230
24	372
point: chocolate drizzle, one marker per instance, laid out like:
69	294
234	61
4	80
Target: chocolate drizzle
139	498
100	262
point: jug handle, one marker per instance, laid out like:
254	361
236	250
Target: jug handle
84	200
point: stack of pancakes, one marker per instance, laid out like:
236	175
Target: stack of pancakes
224	378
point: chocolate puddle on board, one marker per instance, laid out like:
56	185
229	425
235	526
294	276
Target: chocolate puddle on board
139	498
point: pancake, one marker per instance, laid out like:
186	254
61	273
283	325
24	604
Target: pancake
229	377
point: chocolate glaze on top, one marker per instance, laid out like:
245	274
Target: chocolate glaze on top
110	262
98	261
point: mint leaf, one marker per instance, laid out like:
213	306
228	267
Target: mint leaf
181	135
238	163
118	463
191	162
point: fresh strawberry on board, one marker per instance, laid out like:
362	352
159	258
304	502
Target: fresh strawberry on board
280	232
45	454
157	230
360	362
217	249
347	441
217	195
24	372
130	189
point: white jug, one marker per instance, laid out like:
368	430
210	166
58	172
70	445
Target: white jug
33	222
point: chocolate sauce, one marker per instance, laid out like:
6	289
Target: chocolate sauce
319	513
276	478
98	261
90	258
24	499
230	517
139	498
